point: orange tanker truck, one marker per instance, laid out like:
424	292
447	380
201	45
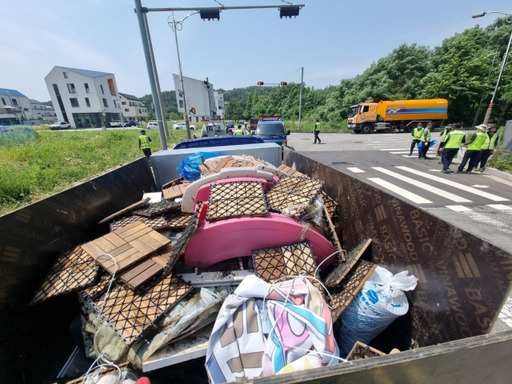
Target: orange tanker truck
400	115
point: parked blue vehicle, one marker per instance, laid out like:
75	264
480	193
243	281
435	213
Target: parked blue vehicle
272	130
218	141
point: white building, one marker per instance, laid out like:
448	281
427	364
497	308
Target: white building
82	97
133	108
219	104
198	96
42	113
15	107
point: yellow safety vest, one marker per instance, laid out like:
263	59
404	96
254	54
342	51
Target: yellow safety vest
239	132
317	127
144	142
429	136
490	142
417	133
454	139
480	138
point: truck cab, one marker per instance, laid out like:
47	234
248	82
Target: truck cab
362	117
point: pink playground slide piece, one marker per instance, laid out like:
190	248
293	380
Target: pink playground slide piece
216	241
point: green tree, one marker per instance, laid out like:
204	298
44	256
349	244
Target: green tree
460	67
234	110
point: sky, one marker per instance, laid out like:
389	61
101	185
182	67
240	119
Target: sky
331	39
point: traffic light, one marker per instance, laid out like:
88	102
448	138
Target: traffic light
283	83
260	82
210	14
289	11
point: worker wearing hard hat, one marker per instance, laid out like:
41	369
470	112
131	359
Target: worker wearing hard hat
474	145
453	140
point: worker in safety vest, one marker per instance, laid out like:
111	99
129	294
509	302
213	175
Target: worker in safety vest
316	132
239	131
452	141
489	146
445	132
473	149
144	143
417	133
425	141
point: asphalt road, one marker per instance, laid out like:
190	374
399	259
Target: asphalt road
479	203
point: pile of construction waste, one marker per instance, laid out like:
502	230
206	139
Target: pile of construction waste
245	232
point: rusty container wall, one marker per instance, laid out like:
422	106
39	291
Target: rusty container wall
31	239
463	280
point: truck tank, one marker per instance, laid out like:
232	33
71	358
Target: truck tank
421	110
463	282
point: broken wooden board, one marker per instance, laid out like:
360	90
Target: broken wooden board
343	294
362	351
157	222
290	171
178	219
341	270
124	210
334	236
72	271
124	247
155	209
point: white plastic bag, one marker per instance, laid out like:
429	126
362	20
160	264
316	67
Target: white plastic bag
381	301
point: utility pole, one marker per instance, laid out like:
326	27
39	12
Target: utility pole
300	99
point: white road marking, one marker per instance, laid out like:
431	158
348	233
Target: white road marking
458	208
425	186
399	153
500	207
400	191
480	186
444	180
355	170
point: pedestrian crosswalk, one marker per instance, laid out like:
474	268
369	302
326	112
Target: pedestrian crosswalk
425	188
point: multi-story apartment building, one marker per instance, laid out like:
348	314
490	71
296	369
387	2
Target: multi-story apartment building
133	108
82	97
14	107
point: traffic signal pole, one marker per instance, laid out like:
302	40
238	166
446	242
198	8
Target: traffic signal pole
208	13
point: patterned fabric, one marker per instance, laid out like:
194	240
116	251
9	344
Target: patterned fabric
264	329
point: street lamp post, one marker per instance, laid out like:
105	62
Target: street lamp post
174	27
491	104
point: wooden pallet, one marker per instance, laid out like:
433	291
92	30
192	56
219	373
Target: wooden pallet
128	245
73	271
236	199
174	191
290	171
273	263
148	268
292	195
131	313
